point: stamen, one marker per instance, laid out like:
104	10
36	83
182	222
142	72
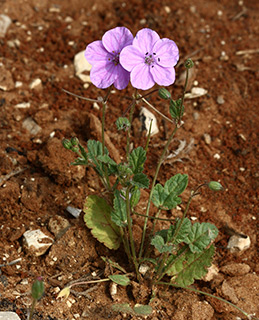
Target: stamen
158	59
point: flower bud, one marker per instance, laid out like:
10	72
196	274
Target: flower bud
164	94
37	289
67	144
74	141
188	64
215	186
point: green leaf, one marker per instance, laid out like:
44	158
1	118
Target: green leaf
140	180
94	150
122	280
122	307
83	152
143	310
106	159
135	196
167	197
183	232
119	214
191	266
200	236
137	159
175	109
98	218
177	184
113	264
79	162
124	170
122	123
159	243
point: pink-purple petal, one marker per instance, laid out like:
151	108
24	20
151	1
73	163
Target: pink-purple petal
116	39
123	78
103	75
167	52
131	56
141	78
145	40
163	76
95	52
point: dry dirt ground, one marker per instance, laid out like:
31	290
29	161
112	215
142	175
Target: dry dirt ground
38	183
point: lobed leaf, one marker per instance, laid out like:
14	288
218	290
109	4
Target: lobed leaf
120	279
200	236
159	243
167	197
191	266
119	214
98	218
137	159
140	180
182	233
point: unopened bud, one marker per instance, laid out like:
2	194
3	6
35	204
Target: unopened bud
188	64
164	93
37	289
67	144
74	141
215	186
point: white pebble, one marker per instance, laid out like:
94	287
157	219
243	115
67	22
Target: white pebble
240	243
216	156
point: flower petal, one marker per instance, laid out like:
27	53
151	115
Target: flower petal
130	57
141	78
103	75
163	76
95	52
116	39
167	52
145	40
123	78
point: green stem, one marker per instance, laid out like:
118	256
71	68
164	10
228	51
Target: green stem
129	128
184	90
125	242
32	308
104	104
206	294
131	240
161	159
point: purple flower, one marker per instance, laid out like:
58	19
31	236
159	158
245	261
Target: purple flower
150	60
104	58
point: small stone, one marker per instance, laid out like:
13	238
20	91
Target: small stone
36	242
229	292
238	243
216	156
220	100
196	115
196	92
213	271
143	269
30	125
236	269
74	211
58	225
8	315
6	79
146	117
82	65
36	84
167	9
18	84
207	138
5	22
23	105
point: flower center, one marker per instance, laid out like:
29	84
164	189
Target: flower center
115	59
149	59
